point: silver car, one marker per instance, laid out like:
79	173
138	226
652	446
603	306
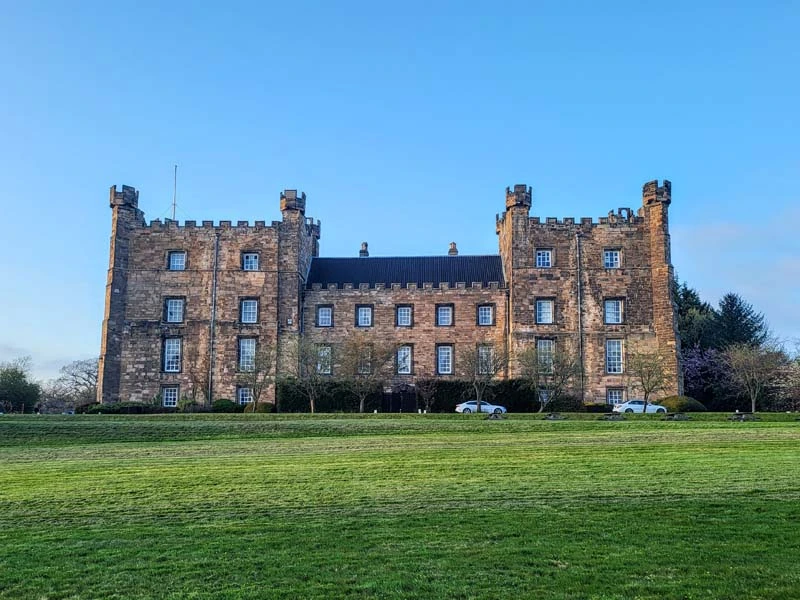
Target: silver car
472	406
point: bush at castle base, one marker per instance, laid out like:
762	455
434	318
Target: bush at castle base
224	405
681	404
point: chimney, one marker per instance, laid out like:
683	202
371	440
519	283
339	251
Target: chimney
363	252
453	250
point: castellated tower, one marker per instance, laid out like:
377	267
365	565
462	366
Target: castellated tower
186	305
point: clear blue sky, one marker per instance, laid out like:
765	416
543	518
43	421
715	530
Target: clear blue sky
403	123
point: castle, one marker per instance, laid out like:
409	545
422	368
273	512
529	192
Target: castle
187	306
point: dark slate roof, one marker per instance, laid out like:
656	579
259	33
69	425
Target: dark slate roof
406	269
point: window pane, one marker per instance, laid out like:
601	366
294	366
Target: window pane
247	354
249	311
404	316
169	396
544	311
484	315
324	316
445	360
614	396
613	311
485	360
324	360
444	315
364	316
611	259
172	355
543	258
544	352
245	395
614	356
250	261
404	360
175	310
177	261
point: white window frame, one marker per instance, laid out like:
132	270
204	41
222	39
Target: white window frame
244	395
170	395
324	359
541	314
173	347
485	359
615	396
176	260
405	315
485	314
247	354
544	258
363	316
365	361
404	358
612	258
249	261
444	312
248	310
614	357
613	307
173	310
444	359
545	353
324	316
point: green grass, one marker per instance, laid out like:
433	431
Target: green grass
412	506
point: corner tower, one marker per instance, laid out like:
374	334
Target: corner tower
655	205
125	217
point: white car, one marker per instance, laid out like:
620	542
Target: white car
472	406
637	406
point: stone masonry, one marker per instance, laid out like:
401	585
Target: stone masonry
149	350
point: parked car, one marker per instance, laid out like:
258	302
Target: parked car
637	406
472	406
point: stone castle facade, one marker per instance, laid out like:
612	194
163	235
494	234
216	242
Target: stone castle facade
187	306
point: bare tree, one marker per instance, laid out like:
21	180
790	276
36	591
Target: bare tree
198	375
754	368
310	364
78	381
259	373
480	366
644	371
426	390
548	372
364	362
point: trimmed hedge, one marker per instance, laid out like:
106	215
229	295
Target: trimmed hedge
223	405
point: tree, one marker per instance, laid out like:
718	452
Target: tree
198	375
426	390
754	369
548	372
364	362
645	373
738	322
311	365
78	381
260	373
17	391
480	366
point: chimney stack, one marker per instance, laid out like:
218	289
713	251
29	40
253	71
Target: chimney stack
363	252
453	250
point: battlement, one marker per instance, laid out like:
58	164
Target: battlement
652	193
426	286
521	196
129	196
291	201
623	216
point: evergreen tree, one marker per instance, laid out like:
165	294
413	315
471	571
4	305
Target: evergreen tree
737	322
696	319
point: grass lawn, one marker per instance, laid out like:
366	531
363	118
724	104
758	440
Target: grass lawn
412	506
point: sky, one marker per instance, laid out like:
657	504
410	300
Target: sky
403	122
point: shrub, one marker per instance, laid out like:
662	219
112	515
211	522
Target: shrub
223	405
124	408
263	407
597	407
682	404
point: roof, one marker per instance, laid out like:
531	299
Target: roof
405	270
